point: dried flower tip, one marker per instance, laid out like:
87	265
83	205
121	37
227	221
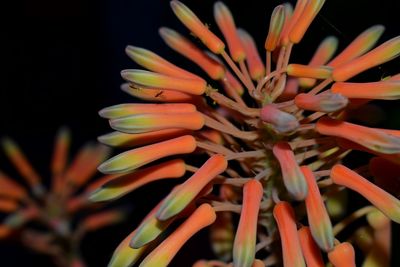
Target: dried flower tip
133	140
286	221
307	71
156	95
304	21
325	102
386	90
324	53
275	28
150	122
246	234
382	200
189	50
193	23
254	62
156	80
292	176
135	158
281	121
177	200
311	252
163	254
123	110
379	55
363	43
124	255
121	186
342	255
226	24
318	218
154	62
374	139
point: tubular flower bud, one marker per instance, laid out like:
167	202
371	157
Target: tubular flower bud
192	22
226	24
186	48
123	110
152	79
324	53
11	189
374	139
363	43
292	176
178	199
150	122
163	254
286	221
386	90
379	55
275	28
120	186
382	200
307	16
294	18
132	140
281	121
61	146
311	252
138	157
157	95
254	62
8	205
154	62
326	102
342	255
102	219
246	234
318	218
308	71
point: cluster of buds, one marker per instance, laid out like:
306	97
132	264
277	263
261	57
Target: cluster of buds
262	153
53	221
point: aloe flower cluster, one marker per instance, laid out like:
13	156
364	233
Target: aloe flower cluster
257	145
53	221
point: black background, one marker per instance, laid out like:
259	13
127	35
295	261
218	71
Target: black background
61	62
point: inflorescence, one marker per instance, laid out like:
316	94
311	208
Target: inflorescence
270	136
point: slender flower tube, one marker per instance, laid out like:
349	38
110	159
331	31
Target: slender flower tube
385	202
311	9
245	238
294	18
186	48
281	121
275	28
186	192
226	24
292	175
373	139
385	90
150	122
123	110
381	54
342	255
311	252
138	157
154	62
192	22
121	186
326	102
318	218
153	79
254	63
309	71
163	254
362	44
133	140
286	221
11	189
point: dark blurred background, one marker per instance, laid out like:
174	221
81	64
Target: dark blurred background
61	62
